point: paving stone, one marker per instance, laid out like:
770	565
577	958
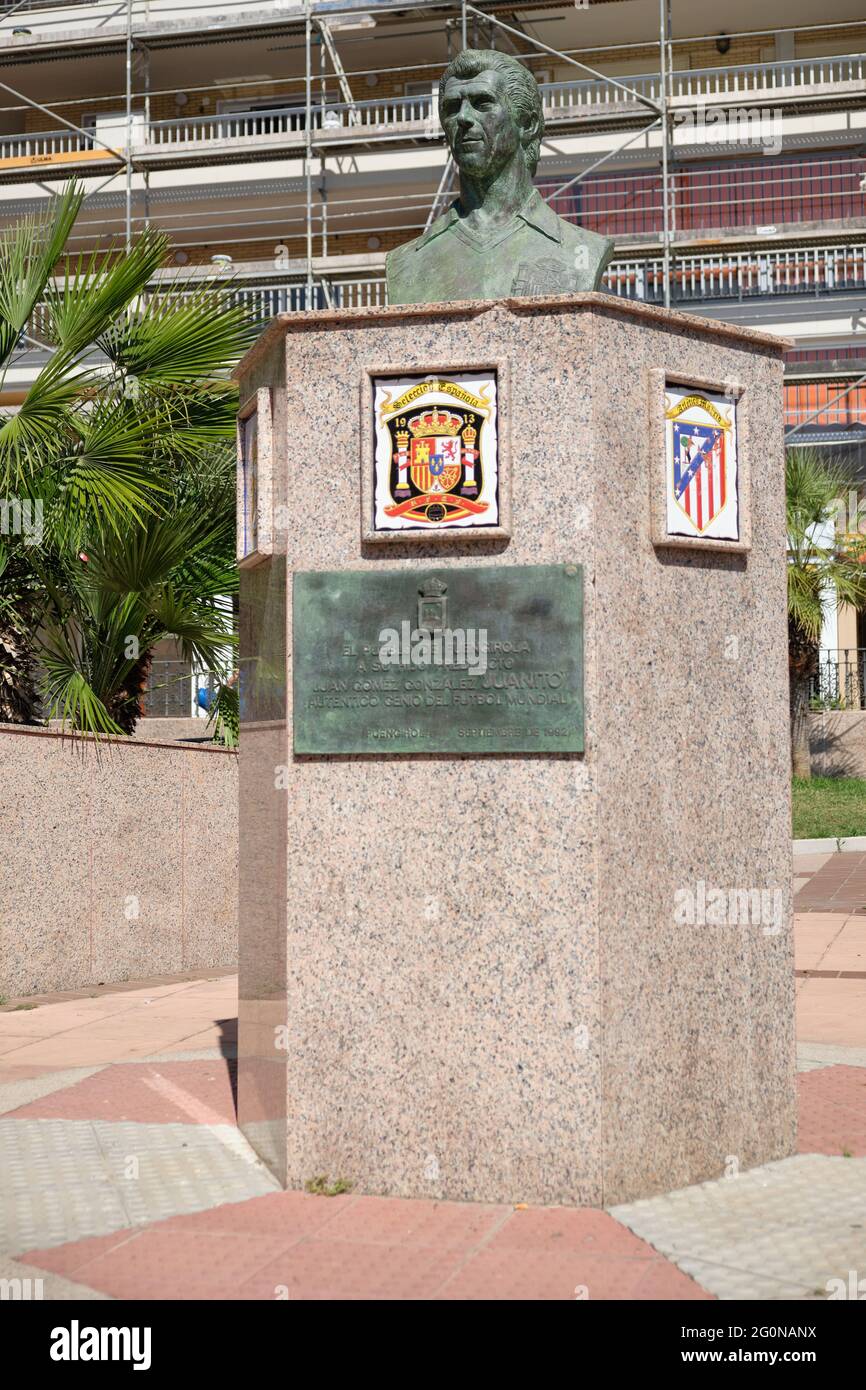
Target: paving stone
15	1093
816	1054
38	1285
152	1093
66	1179
832	1105
778	1231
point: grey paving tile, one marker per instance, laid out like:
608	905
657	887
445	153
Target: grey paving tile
66	1179
811	1055
779	1231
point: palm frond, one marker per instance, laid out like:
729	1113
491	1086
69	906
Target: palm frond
29	251
821	563
97	289
35	435
70	697
180	337
108	473
225	715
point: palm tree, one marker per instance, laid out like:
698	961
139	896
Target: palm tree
123	444
825	564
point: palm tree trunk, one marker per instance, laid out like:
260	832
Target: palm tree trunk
126	704
801	757
19	698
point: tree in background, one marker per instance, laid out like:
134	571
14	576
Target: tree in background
117	473
825	565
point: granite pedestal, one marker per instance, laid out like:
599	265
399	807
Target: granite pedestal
531	1018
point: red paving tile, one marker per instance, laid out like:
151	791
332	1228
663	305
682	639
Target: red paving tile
544	1273
295	1212
148	1092
838	885
290	1245
66	1259
393	1220
583	1229
322	1269
833	1111
290	1216
24	1072
171	1264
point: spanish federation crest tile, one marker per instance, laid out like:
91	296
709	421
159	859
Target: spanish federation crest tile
436	458
701	465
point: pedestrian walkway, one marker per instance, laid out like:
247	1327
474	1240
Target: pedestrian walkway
125	1175
830	947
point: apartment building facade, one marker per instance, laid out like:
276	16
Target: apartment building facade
290	145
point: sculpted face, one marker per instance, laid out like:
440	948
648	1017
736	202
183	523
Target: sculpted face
479	124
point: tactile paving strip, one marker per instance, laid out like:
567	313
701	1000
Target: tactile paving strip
65	1179
780	1231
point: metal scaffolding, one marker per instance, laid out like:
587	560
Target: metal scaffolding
469	20
317	24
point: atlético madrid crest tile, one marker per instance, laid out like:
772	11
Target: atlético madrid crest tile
701	499
702	465
435	455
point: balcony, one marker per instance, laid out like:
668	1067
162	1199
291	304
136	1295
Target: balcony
260	133
810	271
796	80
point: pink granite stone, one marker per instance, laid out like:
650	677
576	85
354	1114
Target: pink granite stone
526	1020
121	859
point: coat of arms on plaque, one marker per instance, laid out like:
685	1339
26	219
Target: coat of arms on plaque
436	458
702	495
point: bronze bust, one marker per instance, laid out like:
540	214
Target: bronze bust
500	238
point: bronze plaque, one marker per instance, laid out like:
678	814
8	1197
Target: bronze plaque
484	659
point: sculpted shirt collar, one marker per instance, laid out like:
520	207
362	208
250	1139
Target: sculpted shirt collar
535	213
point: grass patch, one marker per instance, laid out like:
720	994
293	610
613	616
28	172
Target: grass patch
321	1187
829	807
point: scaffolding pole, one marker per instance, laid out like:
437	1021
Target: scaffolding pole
664	54
308	160
661	110
128	149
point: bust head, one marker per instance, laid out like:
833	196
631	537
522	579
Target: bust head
491	112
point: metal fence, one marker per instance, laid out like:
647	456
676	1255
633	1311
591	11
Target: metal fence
819	271
800	270
171	686
832	404
840	681
168	694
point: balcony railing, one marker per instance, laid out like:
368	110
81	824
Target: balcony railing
563	101
49	147
715	86
738	275
416	116
741	275
816	271
840	681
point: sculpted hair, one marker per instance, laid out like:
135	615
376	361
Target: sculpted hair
522	88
